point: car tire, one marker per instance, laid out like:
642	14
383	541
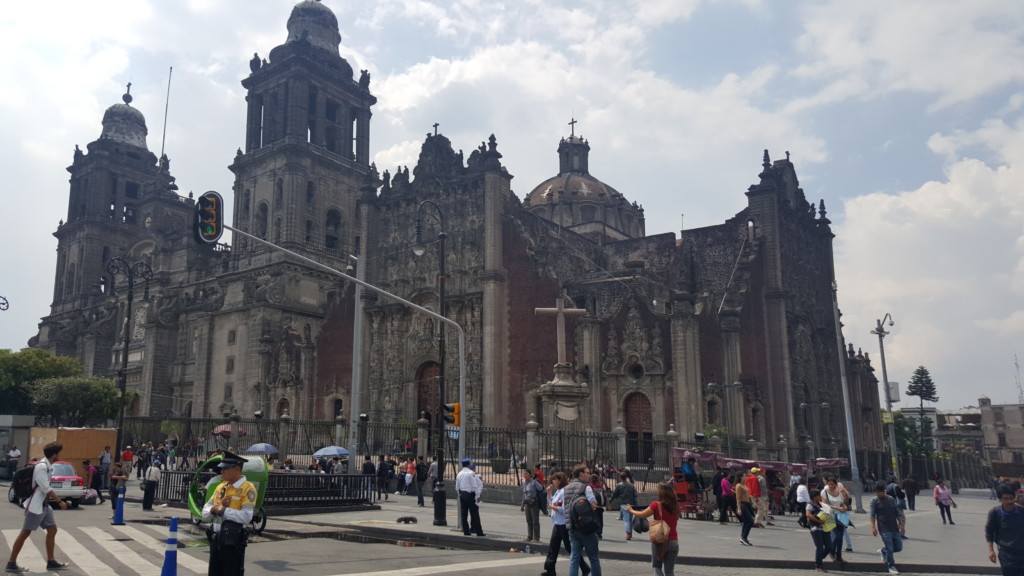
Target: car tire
11	497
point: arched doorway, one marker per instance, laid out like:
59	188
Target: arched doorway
639	429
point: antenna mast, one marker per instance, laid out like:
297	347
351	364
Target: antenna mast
1020	390
167	104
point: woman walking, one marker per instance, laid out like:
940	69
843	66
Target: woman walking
665	508
559	533
745	505
625	495
533	495
835	497
944	499
728	501
818	534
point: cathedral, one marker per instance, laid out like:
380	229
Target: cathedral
573	316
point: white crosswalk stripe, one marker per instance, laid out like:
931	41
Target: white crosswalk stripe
126	550
452	568
159	546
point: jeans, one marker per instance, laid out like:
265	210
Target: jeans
911	499
419	492
532	521
560	539
666	565
747	518
1012	564
822	546
580	542
892	543
627	518
945	512
837	540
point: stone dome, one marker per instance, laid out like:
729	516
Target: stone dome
572	187
312	22
122	123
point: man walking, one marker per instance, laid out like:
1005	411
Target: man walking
763	510
754	487
911	489
1005	527
151	482
13	456
422	473
887	521
579	542
469	488
38	511
432	477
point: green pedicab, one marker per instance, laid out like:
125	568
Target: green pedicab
206	479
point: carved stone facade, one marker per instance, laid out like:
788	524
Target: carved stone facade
748	301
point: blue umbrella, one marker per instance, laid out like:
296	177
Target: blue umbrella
262	448
331	451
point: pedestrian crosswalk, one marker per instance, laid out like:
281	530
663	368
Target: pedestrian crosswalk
130	550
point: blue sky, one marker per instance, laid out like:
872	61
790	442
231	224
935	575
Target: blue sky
906	118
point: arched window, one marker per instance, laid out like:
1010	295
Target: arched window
332	230
260	224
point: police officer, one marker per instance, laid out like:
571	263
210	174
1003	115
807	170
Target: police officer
230	509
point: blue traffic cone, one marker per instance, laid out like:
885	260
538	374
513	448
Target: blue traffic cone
171	554
119	511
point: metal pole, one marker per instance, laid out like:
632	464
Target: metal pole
357	369
440	496
117	266
880	331
851	441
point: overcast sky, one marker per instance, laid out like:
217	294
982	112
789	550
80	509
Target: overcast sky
906	117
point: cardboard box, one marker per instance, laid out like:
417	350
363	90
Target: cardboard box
79	444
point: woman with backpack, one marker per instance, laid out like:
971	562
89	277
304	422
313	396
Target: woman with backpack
625	495
665	508
819	524
533	496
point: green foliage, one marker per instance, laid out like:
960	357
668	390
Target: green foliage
715	430
921	385
171	428
76	401
19	370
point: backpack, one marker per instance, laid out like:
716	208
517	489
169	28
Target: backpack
896	492
22	482
583	517
422	471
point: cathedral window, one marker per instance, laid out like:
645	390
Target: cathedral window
332	230
354	124
231	337
260	225
229	390
588	213
229	366
750	230
131	190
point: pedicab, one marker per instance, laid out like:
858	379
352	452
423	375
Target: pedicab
206	479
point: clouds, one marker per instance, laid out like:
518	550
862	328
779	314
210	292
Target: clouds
906	118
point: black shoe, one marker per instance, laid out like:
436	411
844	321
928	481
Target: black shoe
466	534
481	534
54	565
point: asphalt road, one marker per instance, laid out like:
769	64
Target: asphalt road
92	545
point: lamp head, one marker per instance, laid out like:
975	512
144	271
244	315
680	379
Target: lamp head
258	414
418	249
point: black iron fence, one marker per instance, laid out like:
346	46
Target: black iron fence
284	489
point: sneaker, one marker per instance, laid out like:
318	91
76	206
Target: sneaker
893	570
848	550
54	565
15	569
951	523
745	542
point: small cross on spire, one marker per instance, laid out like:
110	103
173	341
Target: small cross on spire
435	128
572	128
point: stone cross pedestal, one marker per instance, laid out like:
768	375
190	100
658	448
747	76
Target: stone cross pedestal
562	395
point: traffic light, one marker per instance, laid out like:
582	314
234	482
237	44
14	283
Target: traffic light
452	414
209	221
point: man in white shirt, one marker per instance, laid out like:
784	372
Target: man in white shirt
13	456
470	487
38	512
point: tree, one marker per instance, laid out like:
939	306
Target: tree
921	385
77	401
18	370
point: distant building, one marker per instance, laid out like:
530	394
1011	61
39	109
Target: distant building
960	430
1003	427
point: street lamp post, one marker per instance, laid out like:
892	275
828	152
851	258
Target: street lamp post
851	440
419	248
138	269
881	333
723	390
